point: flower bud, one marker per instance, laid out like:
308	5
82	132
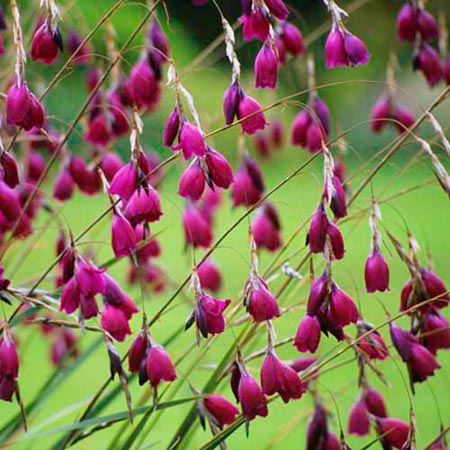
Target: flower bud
404	117
374	402
192	182
159	366
209	275
338	202
124	182
376	273
358	421
407	22
261	304
123	237
143	86
256	25
292	39
436	332
251	114
395	432
89	278
342	308
251	397
266	228
308	335
74	41
219	169
197	229
266	67
277	8
64	184
223	411
143	206
192	141
45	44
318	229
114	322
317	431
300	128
209	315
427	25
231	101
110	165
9	366
137	352
428	62
171	128
380	114
10	171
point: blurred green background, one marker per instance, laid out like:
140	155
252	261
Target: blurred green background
424	211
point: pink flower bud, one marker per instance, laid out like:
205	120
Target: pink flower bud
332	442
137	352
266	67
376	273
124	182
436	332
407	22
266	228
9	168
45	44
338	202
318	230
277	377
192	182
36	167
9	202
158	39
90	279
209	315
380	114
219	169
123	238
192	141
256	25
292	39
404	117
171	128
251	397
99	132
64	184
428	62
64	345
248	185
251	114
427	25
374	403
344	49
143	206
373	346
9	366
261	304
300	128
70	297
144	87
343	310
395	432
276	134
223	411
435	289
209	275
159	366
336	240
231	100
308	335
318	293
114	322
317	431
23	108
197	229
301	364
358	421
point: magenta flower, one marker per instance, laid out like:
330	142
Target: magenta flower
172	128
374	402
317	431
123	237
64	185
266	67
9	202
358	421
404	117
251	398
277	8
395	432
159	366
338	202
436	331
9	169
197	229
277	377
137	353
143	86
231	101
143	206
219	169
251	115
248	186
300	128
192	182
124	182
376	273
266	228
343	310
45	44
9	366
261	304
429	63
407	22
90	280
209	275
74	41
336	240
23	108
344	49
319	293
427	25
64	345
318	230
373	346
110	165
292	39
192	141
380	114
114	321
222	411
209	315
256	25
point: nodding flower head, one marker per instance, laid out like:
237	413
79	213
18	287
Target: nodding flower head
394	431
143	86
428	62
143	206
209	315
192	182
209	275
172	128
380	114
266	67
277	8
231	101
261	304
138	351
251	397
197	228
376	273
256	25
123	237
373	345
90	280
110	165
317	431
9	169
427	25
436	331
307	337
219	169
115	322
407	22
23	108
318	230
344	49
318	293
9	366
338	202
342	310
277	377
192	141
64	185
158	39
374	402
124	183
292	39
358	421
159	366
75	42
251	114
45	44
248	186
220	409
266	228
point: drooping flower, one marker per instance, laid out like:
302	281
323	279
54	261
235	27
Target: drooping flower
266	228
307	337
192	182
9	365
208	315
222	411
159	366
358	421
209	275
23	108
192	141
394	431
251	397
251	115
248	186
428	62
376	273
46	43
266	67
260	302
123	237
